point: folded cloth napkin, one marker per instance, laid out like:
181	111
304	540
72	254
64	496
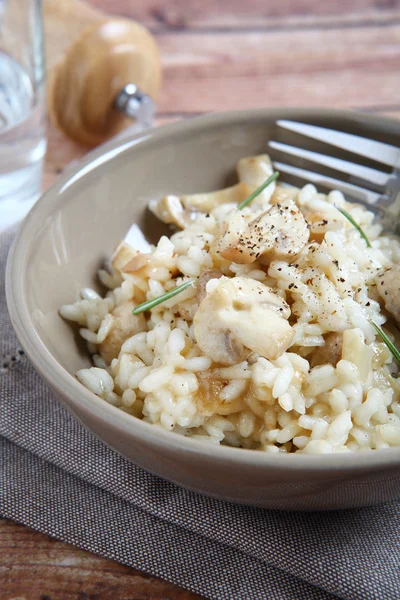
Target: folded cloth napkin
59	479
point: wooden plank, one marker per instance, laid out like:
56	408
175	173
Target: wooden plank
34	566
336	67
230	14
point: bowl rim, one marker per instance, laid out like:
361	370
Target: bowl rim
73	392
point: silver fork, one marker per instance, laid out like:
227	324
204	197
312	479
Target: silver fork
377	189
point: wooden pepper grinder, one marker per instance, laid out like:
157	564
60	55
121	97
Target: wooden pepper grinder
110	75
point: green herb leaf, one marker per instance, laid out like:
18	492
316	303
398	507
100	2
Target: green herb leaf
260	189
356	225
155	301
389	344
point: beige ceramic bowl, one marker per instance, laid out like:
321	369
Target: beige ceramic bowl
77	223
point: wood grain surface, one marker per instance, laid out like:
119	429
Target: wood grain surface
36	567
219	55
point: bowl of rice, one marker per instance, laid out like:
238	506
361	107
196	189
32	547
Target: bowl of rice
214	323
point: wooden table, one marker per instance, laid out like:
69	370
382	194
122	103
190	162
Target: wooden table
219	55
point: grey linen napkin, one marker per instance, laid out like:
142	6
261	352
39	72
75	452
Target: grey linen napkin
57	478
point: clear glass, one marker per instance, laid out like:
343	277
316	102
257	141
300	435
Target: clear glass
22	106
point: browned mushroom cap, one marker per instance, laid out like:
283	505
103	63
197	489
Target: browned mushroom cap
125	325
105	58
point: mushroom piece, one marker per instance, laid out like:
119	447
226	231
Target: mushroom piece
331	353
388	286
125	325
208	201
321	224
142	263
204	278
180	210
254	170
239	316
133	244
281	232
283	193
170	210
137	264
123	255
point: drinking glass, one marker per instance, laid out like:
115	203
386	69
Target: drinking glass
22	106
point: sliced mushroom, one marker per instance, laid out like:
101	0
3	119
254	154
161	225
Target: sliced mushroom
180	210
280	232
288	230
254	170
123	255
204	278
137	264
388	286
237	240
321	224
331	353
142	265
283	193
170	210
208	201
133	243
125	325
240	316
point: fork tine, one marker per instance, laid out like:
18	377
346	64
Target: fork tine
377	151
360	172
355	191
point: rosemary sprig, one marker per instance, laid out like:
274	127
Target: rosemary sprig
356	225
389	344
257	191
155	301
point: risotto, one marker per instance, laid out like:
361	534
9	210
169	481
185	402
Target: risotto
264	332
